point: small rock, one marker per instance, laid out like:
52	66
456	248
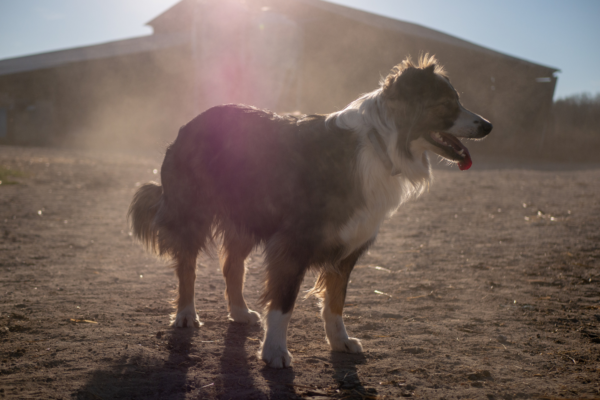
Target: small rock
480	376
502	339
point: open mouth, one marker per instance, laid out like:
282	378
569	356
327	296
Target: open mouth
452	148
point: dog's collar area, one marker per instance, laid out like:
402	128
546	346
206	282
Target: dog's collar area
380	149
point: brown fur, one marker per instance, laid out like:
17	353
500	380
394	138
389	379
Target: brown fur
214	186
334	282
425	62
142	212
234	251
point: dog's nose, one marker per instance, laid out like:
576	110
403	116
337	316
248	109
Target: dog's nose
485	127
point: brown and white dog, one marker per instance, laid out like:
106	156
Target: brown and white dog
311	190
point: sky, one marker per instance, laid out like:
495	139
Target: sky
564	34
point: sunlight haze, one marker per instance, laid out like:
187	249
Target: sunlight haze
559	34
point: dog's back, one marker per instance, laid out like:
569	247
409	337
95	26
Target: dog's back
258	171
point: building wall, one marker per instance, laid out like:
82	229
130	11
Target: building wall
115	102
314	64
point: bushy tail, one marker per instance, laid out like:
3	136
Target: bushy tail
142	215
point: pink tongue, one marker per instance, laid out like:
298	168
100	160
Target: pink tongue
456	144
466	163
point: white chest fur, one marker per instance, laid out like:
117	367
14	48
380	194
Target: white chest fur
382	194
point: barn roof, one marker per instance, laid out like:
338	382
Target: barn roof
98	51
176	36
173	19
411	29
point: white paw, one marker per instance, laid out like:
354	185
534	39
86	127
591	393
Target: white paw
187	318
275	357
336	334
273	349
244	316
348	345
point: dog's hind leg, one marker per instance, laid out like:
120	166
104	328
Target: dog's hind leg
185	269
285	271
335	284
184	243
235	250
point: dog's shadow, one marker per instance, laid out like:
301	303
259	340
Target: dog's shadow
280	382
236	366
138	373
348	384
346	375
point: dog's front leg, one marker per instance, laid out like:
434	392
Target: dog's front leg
336	330
336	283
274	350
285	272
186	310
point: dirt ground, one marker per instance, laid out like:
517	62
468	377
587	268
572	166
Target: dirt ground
487	287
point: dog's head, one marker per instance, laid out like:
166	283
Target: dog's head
426	107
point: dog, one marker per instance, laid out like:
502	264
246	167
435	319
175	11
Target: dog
310	190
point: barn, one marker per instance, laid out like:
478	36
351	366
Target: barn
307	56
